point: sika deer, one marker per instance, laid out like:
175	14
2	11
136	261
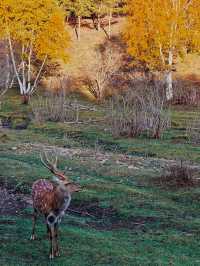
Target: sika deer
51	199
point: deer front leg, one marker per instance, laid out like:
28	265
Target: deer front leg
51	223
34	222
48	232
52	242
57	253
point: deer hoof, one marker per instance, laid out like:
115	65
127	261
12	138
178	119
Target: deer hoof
32	237
51	256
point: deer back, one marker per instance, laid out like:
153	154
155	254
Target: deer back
49	197
43	195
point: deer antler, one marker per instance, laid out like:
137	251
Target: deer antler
52	166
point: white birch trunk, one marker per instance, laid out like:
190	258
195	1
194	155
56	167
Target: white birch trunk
168	78
169	86
38	75
79	27
99	23
109	24
29	68
15	67
25	87
8	68
23	71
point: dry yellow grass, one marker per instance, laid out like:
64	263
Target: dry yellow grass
82	52
189	68
83	55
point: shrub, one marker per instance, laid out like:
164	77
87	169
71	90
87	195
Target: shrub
137	112
126	117
193	130
186	93
53	107
15	121
101	72
179	175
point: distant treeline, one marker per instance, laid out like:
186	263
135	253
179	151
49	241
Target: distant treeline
95	10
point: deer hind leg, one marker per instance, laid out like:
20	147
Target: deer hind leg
34	222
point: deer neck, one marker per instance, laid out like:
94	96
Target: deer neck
62	200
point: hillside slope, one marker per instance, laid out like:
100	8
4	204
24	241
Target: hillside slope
82	53
83	56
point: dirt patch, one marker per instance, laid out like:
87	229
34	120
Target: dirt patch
108	218
175	183
99	218
92	209
10	203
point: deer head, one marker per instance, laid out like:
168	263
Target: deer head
60	178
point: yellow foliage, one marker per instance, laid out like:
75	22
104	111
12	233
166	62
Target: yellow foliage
156	28
39	23
53	39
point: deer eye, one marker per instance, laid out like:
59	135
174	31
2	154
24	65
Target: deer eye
68	184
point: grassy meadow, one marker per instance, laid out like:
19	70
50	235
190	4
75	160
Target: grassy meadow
140	198
125	215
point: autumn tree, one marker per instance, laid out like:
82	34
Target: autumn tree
105	8
90	8
34	30
98	9
78	8
158	31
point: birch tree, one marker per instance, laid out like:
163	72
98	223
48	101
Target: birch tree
98	9
34	30
157	31
79	8
111	6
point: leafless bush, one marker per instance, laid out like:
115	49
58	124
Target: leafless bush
5	71
158	117
137	112
53	107
56	83
2	92
186	93
4	89
126	116
101	72
179	175
193	130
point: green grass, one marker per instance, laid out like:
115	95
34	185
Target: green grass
86	246
136	222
